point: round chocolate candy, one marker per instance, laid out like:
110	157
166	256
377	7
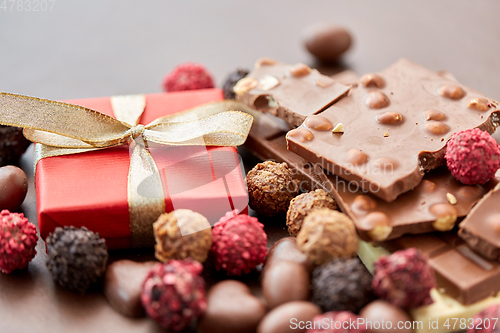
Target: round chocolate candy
383	317
289	317
326	41
14	185
285	281
287	249
231	308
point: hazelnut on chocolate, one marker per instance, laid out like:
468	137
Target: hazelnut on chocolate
182	234
270	188
326	235
303	204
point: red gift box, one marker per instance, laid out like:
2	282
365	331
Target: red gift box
90	189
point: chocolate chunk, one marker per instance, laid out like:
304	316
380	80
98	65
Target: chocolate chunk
123	286
14	185
410	90
409	213
285	281
327	42
286	318
481	228
300	93
231	308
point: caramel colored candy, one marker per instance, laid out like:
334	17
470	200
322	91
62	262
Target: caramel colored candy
285	281
376	100
13	185
286	249
231	308
286	318
123	286
381	311
327	42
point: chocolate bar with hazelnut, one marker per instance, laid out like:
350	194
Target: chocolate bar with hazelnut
481	228
392	128
434	205
289	92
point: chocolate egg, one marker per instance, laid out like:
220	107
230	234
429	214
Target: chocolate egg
289	317
285	281
383	317
13	185
123	286
326	41
231	308
287	249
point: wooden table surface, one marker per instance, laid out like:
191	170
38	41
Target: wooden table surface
102	48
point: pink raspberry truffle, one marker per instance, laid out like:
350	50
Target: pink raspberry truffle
17	241
173	293
188	76
472	156
404	279
486	321
239	243
337	322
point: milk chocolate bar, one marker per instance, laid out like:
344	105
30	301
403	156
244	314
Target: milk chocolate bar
481	228
392	128
437	202
289	92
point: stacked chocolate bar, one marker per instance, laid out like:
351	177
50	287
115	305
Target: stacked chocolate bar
376	144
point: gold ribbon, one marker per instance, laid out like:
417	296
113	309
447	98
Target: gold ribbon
62	129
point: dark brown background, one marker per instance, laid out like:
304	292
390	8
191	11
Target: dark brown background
101	48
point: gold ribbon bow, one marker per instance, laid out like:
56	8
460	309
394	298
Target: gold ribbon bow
62	129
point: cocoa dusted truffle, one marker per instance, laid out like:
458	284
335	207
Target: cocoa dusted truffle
173	294
327	234
303	204
270	188
181	234
239	243
404	279
231	81
77	257
342	285
12	144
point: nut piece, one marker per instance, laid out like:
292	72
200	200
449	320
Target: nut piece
339	128
389	118
182	234
326	235
433	115
480	104
267	82
451	91
324	81
265	61
446	216
244	85
318	123
299	70
301	134
356	156
302	205
372	80
376	100
363	203
271	187
378	224
451	198
386	134
436	127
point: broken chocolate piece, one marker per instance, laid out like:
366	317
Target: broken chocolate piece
416	140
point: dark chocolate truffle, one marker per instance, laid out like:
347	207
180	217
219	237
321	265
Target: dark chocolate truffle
271	187
182	234
303	204
342	285
231	80
77	257
12	144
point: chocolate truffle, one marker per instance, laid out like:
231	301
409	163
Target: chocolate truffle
404	279
327	42
12	144
17	241
239	243
342	285
383	317
76	257
188	76
231	81
173	293
327	234
181	234
270	188
14	185
303	204
231	309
